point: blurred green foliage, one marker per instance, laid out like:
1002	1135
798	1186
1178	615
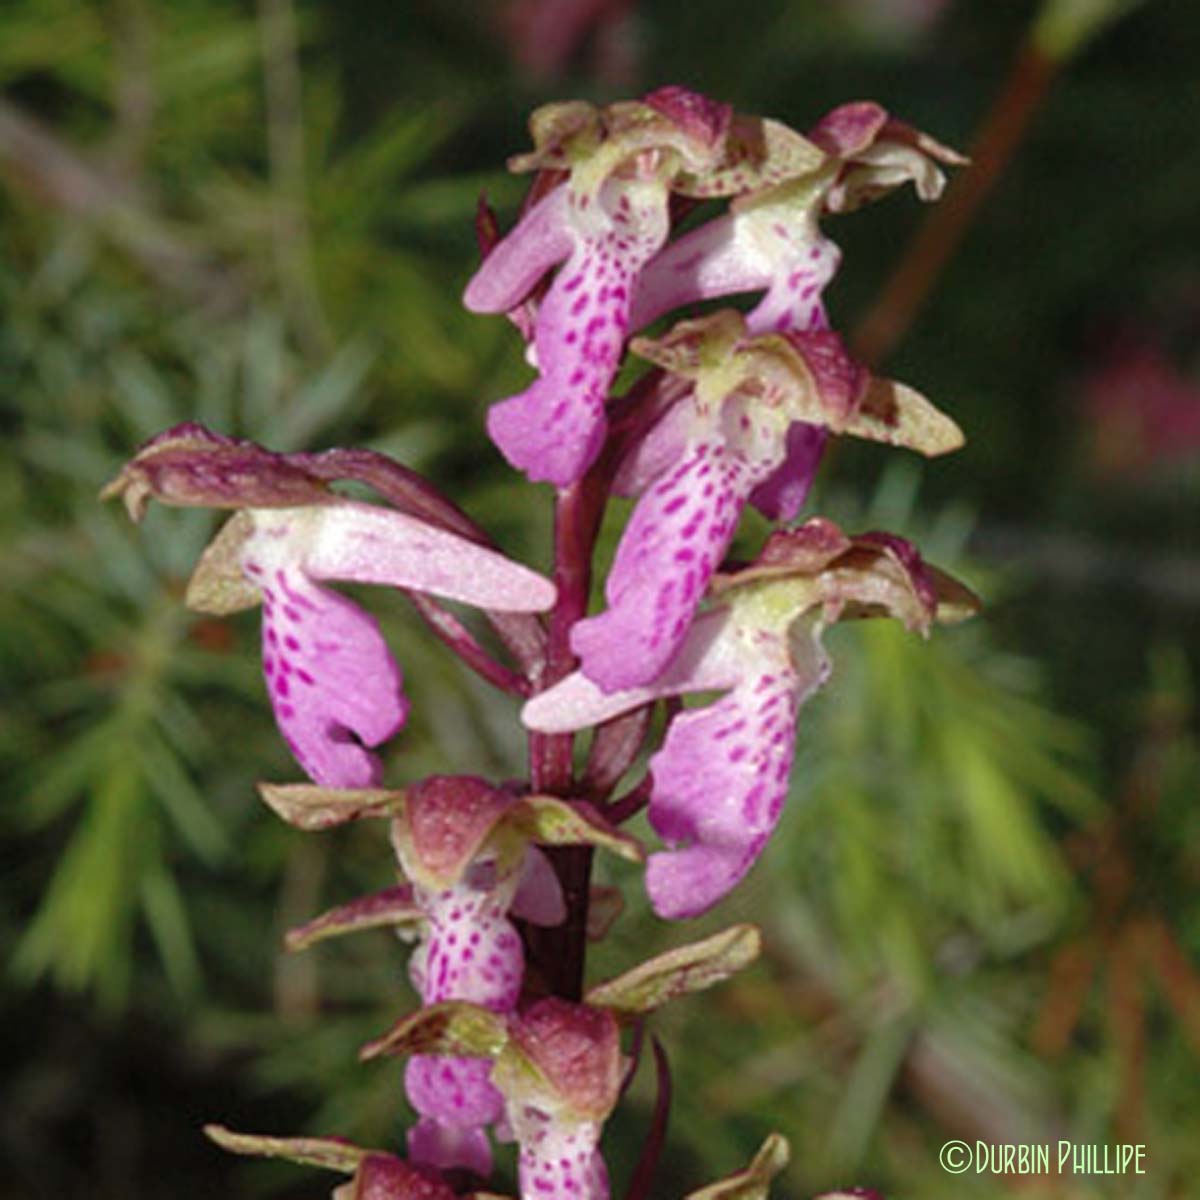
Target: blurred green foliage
260	216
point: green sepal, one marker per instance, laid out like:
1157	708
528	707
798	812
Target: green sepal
391	906
758	153
678	972
334	1154
551	821
310	807
218	585
754	1183
451	1027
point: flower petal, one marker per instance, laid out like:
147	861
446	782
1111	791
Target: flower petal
659	449
560	1162
456	1100
560	1075
441	830
541	239
720	781
554	429
804	263
707	661
781	496
471	951
772	245
718	258
330	676
677	535
364	543
385	1177
539	898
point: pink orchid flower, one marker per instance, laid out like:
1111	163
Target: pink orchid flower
770	241
334	686
721	777
470	874
701	464
603	225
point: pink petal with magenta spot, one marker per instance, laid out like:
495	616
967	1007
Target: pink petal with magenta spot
333	683
456	1101
540	240
721	777
720	781
554	429
804	264
677	535
471	950
561	1162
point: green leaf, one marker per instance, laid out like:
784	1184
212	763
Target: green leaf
169	926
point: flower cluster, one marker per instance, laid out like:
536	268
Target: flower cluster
733	408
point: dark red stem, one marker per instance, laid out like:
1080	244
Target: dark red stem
632	803
454	634
656	1138
559	952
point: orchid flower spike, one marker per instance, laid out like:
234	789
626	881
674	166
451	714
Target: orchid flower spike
467	848
698	467
604	223
721	777
335	688
470	853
